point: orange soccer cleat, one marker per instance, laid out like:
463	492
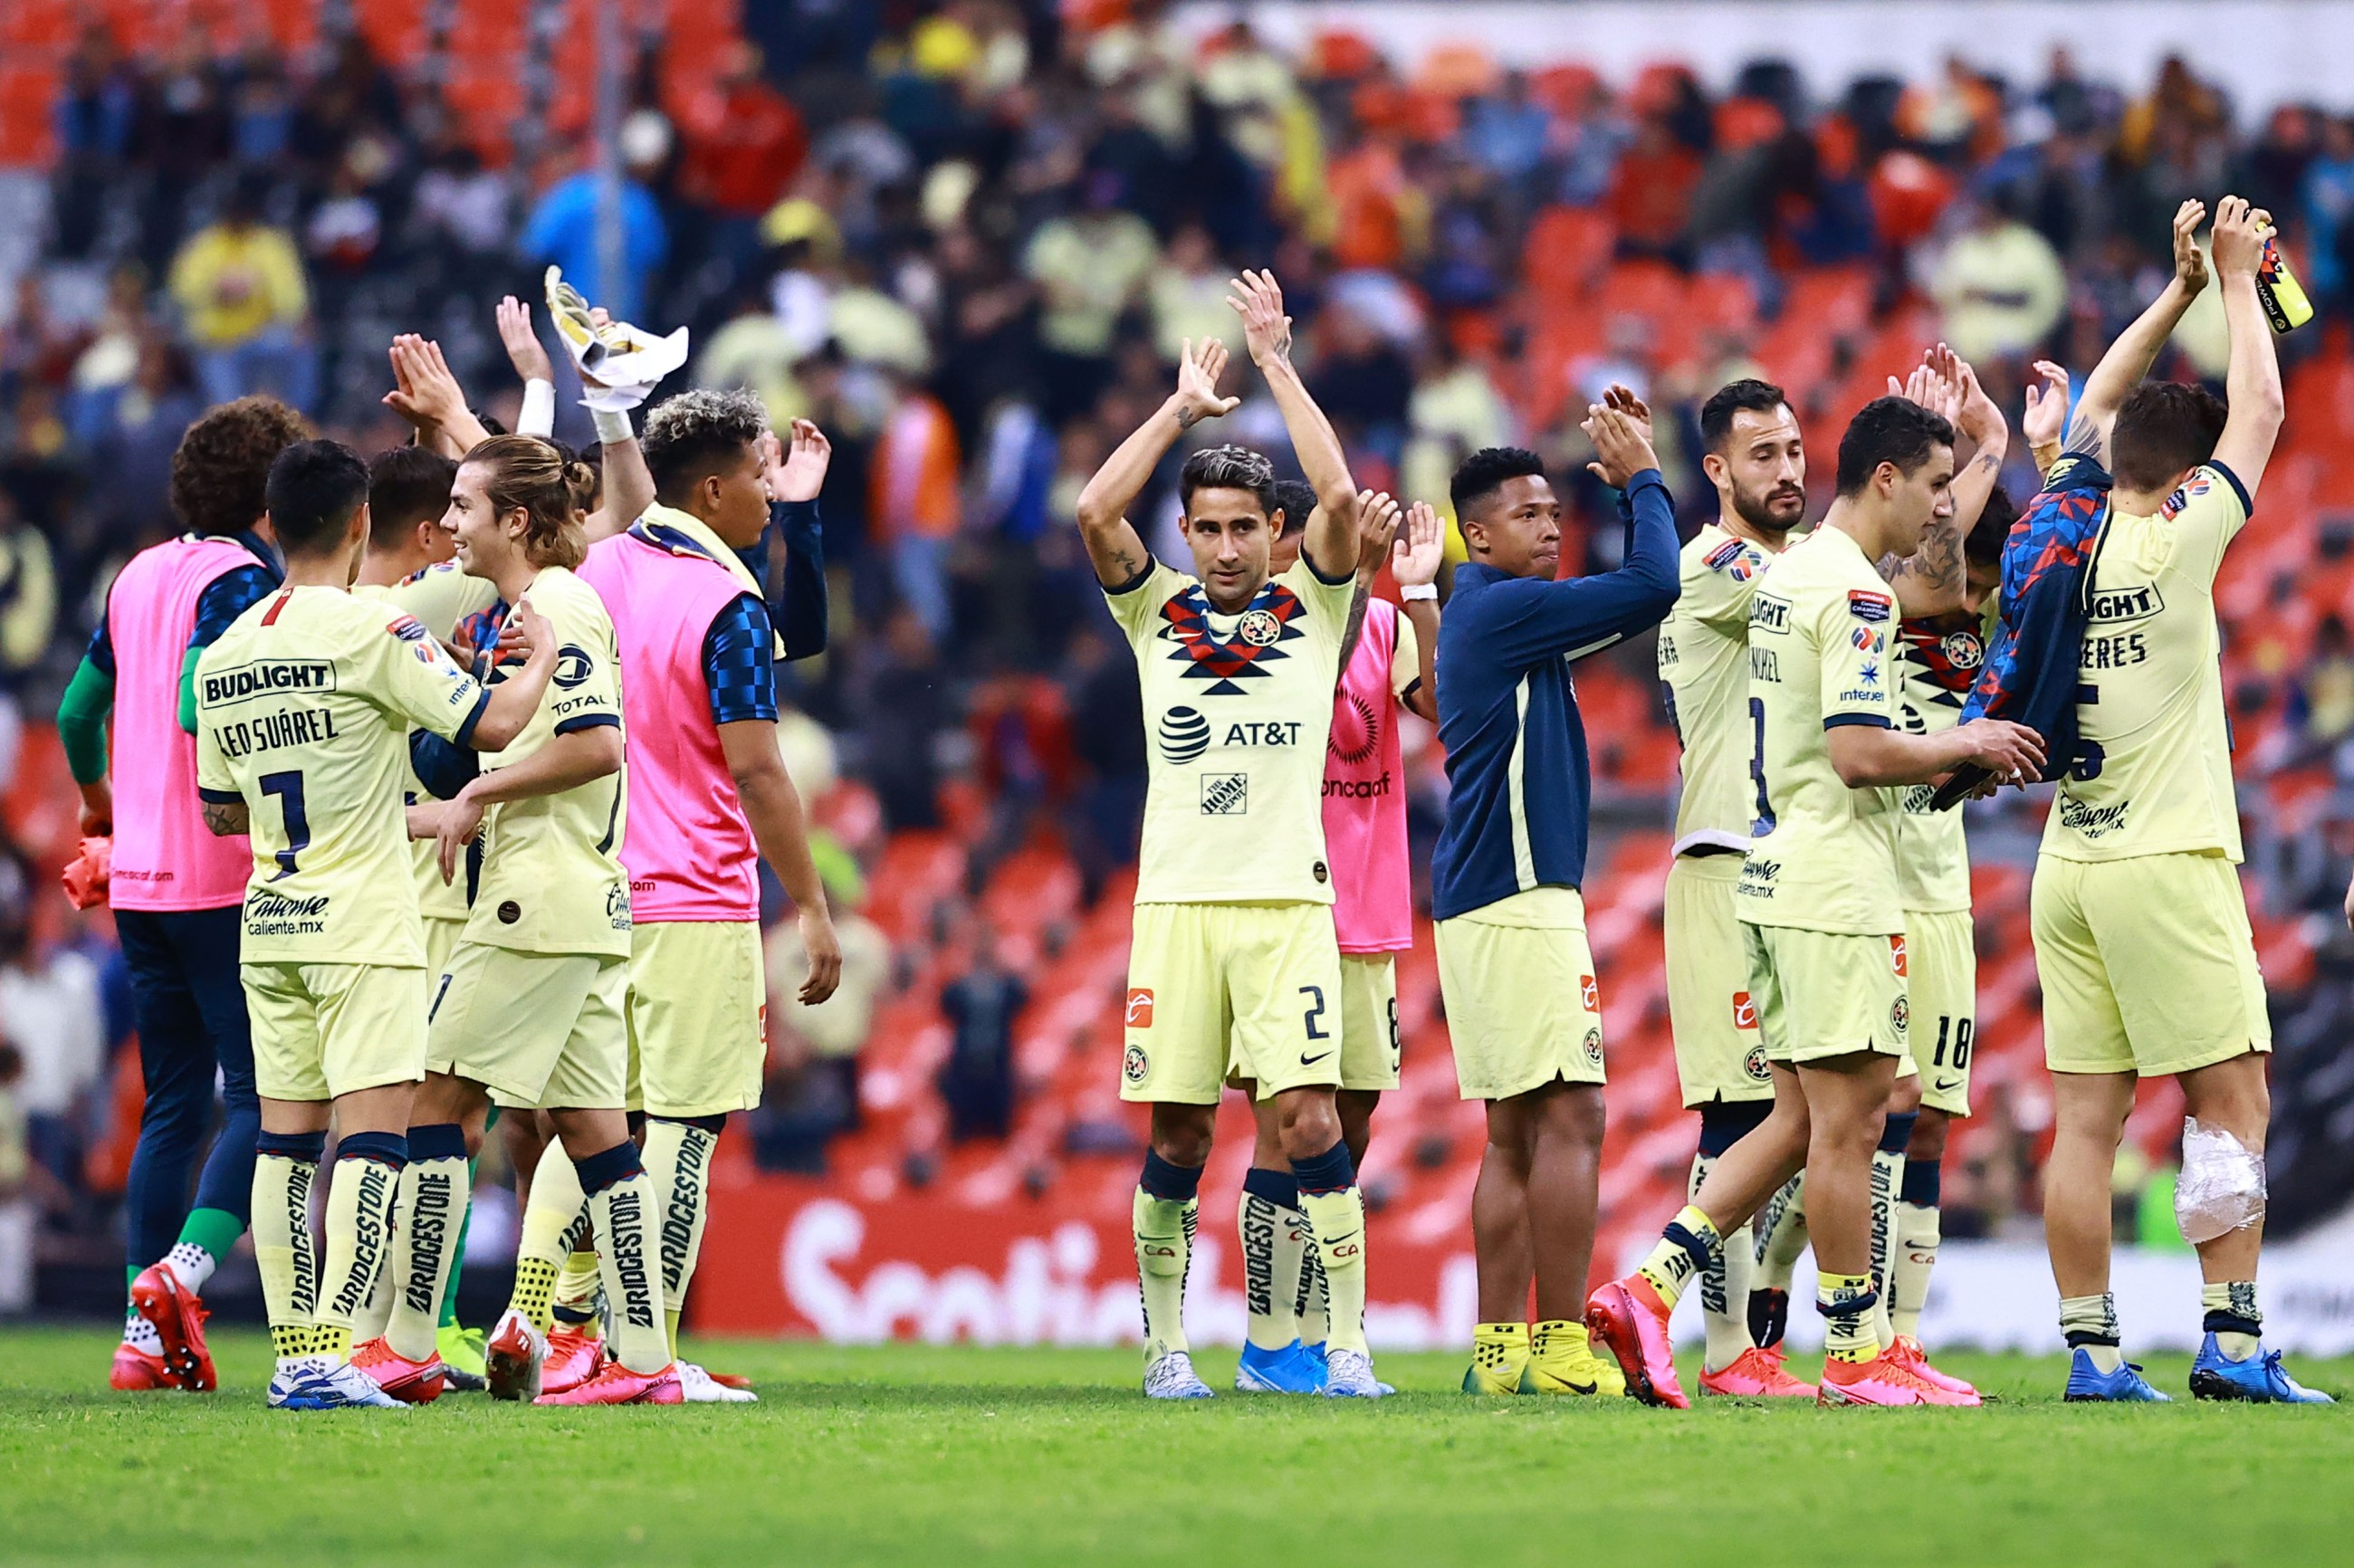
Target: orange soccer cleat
1907	1352
136	1371
617	1384
1754	1374
1627	1318
574	1354
411	1383
1885	1380
178	1314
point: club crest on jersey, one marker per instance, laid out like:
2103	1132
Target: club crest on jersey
1260	635
1754	1063
1594	1047
1963	650
1865	605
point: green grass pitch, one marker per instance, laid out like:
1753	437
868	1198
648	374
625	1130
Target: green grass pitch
954	1458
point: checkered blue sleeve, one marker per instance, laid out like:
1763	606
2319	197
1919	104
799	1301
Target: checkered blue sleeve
225	598
739	662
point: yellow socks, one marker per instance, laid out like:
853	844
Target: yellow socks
1500	1355
1336	1220
1562	1361
285	1165
550	1229
359	1228
1723	1284
2233	1317
1917	1236
434	1192
1275	1247
2090	1324
621	1207
678	1163
1684	1248
1163	1216
1851	1328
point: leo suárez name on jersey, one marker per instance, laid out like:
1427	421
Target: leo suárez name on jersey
272	731
267	677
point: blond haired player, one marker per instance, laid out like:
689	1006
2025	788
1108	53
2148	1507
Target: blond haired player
1233	964
303	711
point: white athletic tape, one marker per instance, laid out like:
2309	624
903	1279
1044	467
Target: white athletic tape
2221	1188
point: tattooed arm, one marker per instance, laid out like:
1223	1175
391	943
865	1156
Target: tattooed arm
2138	347
1113	545
225	818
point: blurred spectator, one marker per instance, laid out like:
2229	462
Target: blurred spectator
246	306
1651	194
562	231
2321	698
1189	291
915	507
813	1052
904	710
2329	201
1089	266
976	1081
2000	284
49	1011
18	1211
28	619
1106	711
743	161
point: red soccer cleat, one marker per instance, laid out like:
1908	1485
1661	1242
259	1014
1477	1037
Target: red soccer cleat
1884	1380
514	1360
1628	1317
411	1383
136	1371
1754	1374
728	1379
617	1384
179	1317
1907	1352
573	1357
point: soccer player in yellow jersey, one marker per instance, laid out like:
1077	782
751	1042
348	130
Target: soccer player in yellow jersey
1234	965
1819	902
1753	455
2142	941
303	711
530	1006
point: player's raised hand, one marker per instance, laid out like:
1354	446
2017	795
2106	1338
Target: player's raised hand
2190	264
1624	399
1378	516
824	951
1266	330
1421	548
425	393
2239	245
2047	405
796	472
1622	448
1927	386
1977	417
2012	753
1198	369
525	351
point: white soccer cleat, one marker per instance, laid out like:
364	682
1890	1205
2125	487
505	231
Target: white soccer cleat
699	1387
1172	1377
515	1357
1349	1374
339	1387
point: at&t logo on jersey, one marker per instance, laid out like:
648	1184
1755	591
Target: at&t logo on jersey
1184	735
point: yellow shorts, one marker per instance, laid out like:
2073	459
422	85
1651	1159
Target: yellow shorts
1250	990
440	941
1719	1053
698	1017
1822	995
538	1030
1523	1006
1941	986
323	1030
2147	964
1371	1051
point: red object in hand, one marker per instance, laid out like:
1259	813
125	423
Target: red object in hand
86	877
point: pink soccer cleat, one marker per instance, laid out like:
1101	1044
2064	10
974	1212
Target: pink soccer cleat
1754	1374
617	1384
1907	1352
411	1383
1882	1381
179	1317
136	1371
514	1358
573	1357
1628	1317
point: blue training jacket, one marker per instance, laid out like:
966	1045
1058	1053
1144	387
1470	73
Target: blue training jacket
1516	763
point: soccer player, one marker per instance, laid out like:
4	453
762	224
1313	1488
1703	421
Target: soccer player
531	1006
709	796
2142	941
304	706
1388	668
176	890
1234	961
1753	455
1523	1010
1820	905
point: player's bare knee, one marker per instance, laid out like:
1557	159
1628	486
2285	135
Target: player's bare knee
1311	1124
1929	1134
1905	1097
1575	1112
1182	1133
2234	1095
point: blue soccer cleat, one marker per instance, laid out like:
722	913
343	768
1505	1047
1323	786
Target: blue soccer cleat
1291	1369
2089	1384
340	1387
2261	1379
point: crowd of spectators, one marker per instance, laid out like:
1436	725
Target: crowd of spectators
967	238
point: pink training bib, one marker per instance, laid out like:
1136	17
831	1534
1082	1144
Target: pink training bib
1365	799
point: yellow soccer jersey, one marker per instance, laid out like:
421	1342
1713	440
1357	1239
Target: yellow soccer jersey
1704	665
303	709
1237	709
439	605
2153	773
552	879
1934	671
1825	855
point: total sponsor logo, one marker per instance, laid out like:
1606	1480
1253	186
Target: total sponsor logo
572	665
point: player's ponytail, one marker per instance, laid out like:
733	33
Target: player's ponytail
581	481
533	476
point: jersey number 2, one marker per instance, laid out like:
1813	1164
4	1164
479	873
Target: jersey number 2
288	788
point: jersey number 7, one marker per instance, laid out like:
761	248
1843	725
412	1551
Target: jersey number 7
288	788
1765	823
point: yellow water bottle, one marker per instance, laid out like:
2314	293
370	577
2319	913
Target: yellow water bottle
2286	305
